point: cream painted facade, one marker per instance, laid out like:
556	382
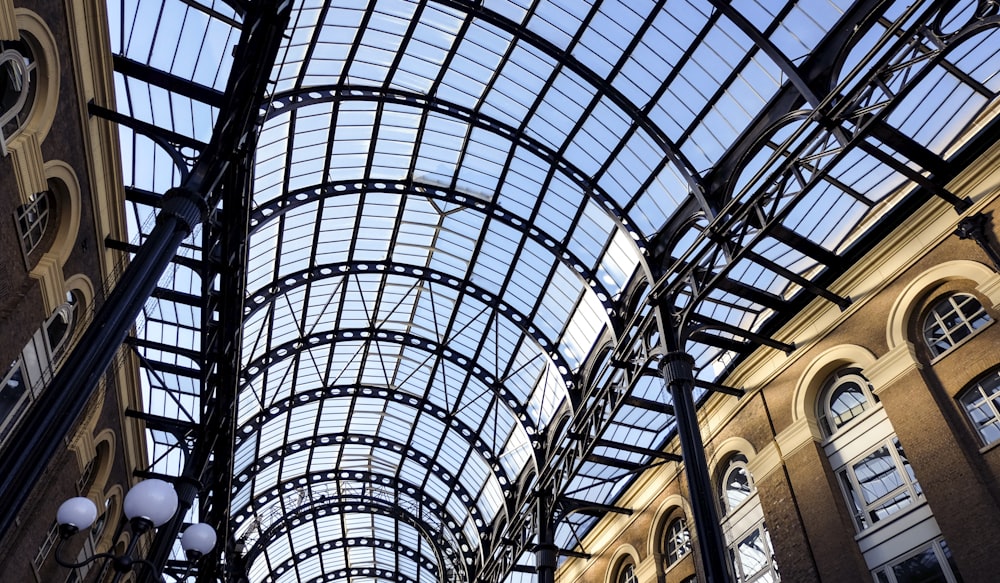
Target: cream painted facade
794	464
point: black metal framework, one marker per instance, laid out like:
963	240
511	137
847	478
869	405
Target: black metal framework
440	275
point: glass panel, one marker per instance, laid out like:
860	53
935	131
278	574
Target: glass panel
981	405
737	486
920	568
847	402
952	320
678	541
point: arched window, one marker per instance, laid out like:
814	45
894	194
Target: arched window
626	573
17	87
736	484
32	220
30	373
845	396
951	320
878	483
750	550
981	402
676	541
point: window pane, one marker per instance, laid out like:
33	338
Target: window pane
847	402
951	320
921	568
980	404
877	475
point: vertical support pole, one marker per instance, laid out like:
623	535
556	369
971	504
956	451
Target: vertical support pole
545	552
51	418
677	369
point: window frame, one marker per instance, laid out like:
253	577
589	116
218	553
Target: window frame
972	323
989	402
863	510
27	67
736	463
32	220
676	542
825	414
626	572
886	574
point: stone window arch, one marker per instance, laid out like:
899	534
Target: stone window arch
625	571
18	84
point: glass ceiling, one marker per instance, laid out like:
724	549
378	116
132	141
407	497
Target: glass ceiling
459	217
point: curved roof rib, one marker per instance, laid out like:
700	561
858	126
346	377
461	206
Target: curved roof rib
464	230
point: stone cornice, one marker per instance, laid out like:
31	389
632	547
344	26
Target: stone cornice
49	274
29	166
991	290
796	436
892	365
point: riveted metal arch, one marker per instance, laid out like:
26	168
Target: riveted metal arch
274	208
329	93
388	394
370	573
634	112
441	350
260	299
396	547
334	506
815	71
270	457
245	513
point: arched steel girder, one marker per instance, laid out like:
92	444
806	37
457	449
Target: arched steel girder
276	207
288	349
508	483
260	299
275	456
337	544
813	133
369	573
632	110
289	101
369	480
760	39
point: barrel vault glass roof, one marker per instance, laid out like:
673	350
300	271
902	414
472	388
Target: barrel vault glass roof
463	219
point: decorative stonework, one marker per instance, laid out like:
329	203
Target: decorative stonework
990	288
797	435
891	366
50	278
768	460
8	22
29	166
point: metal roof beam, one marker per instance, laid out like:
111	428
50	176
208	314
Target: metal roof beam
389	395
800	243
369	335
649	405
790	275
159	135
703	323
114	244
663	455
614	462
168	82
